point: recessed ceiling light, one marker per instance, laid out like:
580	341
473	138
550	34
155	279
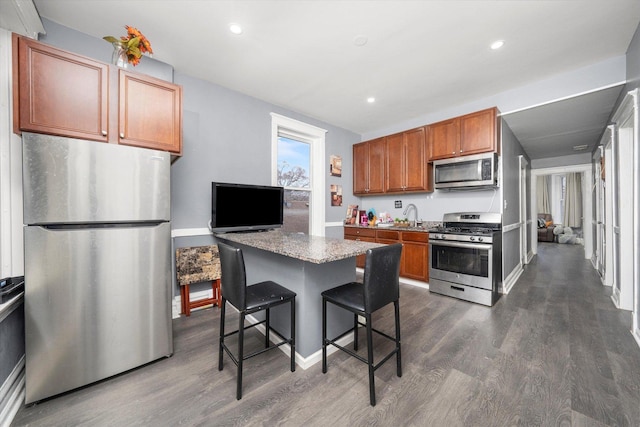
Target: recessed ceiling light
371	100
360	40
497	44
580	147
235	28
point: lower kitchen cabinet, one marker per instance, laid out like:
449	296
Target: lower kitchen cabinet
363	234
415	255
414	263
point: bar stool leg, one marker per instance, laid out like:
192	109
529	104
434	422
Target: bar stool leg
267	326
220	351
293	334
324	336
240	355
396	305
355	332
372	386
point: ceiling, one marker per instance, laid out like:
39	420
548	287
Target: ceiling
420	57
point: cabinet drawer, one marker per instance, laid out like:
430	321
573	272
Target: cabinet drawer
415	236
388	235
359	232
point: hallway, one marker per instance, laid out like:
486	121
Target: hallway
553	352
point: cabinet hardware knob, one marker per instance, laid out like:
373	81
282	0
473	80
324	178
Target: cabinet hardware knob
104	133
122	135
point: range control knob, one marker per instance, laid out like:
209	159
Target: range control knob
472	238
480	239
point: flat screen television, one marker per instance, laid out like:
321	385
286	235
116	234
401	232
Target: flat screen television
243	207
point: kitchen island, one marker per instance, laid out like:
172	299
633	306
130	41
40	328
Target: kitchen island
308	265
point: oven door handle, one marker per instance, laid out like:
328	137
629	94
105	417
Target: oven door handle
481	246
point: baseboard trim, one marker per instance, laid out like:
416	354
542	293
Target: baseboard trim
303	362
511	279
615	297
636	336
12	394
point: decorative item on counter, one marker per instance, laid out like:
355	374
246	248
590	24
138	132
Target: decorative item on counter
384	220
129	48
352	215
401	222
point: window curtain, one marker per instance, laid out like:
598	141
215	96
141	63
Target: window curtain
573	201
544	206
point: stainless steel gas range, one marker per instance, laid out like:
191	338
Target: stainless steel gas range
466	256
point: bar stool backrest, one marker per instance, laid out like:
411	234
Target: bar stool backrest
381	276
234	279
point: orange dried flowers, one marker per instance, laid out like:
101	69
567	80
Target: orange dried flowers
134	43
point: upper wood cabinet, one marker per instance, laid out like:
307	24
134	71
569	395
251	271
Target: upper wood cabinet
150	113
368	167
61	93
406	157
469	134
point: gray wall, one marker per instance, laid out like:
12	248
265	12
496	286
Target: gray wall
227	137
511	150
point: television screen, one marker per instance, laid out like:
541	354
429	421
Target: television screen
242	207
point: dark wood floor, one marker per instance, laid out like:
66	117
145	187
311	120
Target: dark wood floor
553	352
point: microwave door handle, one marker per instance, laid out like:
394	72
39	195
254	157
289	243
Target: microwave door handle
480	169
480	246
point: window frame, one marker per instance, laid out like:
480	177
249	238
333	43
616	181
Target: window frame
315	137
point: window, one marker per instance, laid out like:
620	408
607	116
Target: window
297	157
293	174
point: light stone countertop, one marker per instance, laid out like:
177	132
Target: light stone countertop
314	249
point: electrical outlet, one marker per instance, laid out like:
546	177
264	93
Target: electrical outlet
398	204
505	205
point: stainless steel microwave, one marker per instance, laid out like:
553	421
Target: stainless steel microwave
466	172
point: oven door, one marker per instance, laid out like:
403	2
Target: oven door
461	262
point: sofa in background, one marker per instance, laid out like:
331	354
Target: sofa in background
545	228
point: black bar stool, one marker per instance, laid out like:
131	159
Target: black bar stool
249	300
380	287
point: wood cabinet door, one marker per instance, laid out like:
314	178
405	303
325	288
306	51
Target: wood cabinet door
351	233
415	261
444	139
150	112
395	154
376	166
415	160
360	168
478	132
61	93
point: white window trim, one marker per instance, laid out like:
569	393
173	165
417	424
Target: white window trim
316	138
11	243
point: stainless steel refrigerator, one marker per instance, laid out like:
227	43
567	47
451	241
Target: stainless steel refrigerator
97	261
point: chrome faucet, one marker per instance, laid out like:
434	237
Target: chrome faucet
413	224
